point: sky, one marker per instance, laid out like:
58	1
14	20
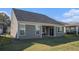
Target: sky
59	14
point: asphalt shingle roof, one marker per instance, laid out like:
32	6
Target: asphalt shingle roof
22	15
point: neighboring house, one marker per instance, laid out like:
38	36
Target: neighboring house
3	23
72	28
1	28
6	28
25	25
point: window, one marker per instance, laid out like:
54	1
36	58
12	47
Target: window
37	32
22	32
59	29
22	29
38	29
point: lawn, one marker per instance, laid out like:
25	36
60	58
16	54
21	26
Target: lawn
66	43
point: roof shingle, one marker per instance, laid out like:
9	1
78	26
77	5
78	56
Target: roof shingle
22	15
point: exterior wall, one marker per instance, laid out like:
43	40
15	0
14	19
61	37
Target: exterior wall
8	29
30	31
14	25
1	29
78	29
56	33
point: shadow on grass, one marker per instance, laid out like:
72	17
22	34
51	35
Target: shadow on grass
16	45
19	45
57	40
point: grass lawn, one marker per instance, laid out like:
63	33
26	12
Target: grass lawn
66	43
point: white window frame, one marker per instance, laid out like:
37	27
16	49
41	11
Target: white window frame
59	29
37	29
22	27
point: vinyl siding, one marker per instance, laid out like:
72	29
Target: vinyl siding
30	31
32	28
56	33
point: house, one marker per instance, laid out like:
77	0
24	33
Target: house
72	28
25	25
1	28
3	22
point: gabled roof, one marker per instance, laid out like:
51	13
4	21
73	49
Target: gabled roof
22	15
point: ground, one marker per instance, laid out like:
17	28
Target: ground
65	43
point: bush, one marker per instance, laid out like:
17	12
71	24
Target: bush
70	35
4	40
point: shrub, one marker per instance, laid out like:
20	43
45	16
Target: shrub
4	40
70	35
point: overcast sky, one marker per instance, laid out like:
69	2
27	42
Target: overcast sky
60	14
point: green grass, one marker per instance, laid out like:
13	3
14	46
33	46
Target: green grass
66	43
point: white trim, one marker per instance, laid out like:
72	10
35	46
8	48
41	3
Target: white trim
60	29
76	30
55	31
34	23
64	29
38	28
22	28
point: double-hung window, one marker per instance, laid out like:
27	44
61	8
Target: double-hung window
37	29
59	29
22	29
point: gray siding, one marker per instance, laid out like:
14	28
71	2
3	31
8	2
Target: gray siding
56	33
30	32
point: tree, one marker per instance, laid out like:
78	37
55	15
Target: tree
1	18
4	18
